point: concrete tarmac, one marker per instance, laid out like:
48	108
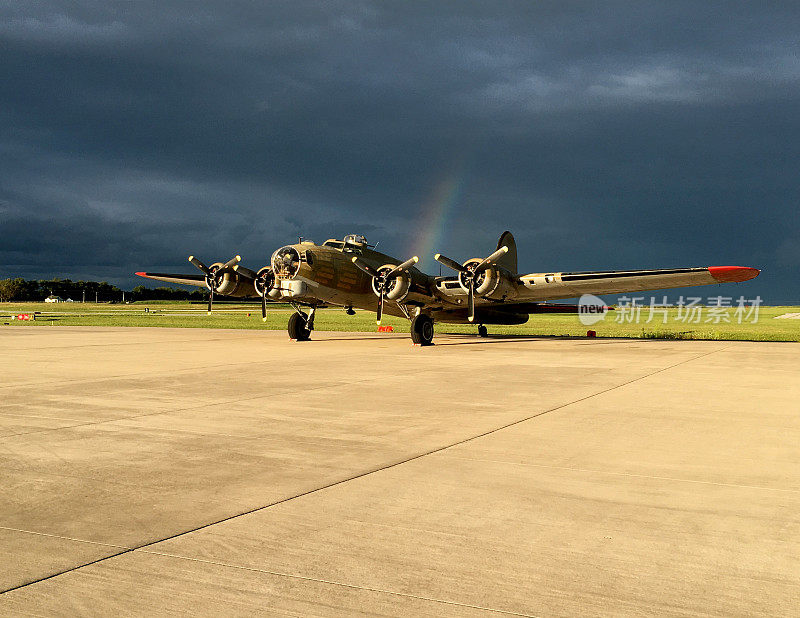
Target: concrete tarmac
164	471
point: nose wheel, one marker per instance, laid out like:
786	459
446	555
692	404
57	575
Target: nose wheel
482	331
422	329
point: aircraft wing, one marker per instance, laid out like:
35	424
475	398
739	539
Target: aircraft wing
544	286
198	280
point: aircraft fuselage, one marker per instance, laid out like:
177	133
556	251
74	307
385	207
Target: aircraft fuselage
306	273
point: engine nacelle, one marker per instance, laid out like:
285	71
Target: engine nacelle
494	282
266	277
397	287
233	284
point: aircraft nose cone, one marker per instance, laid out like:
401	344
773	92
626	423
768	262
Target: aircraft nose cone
726	274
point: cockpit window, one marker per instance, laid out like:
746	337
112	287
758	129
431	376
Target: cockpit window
355	239
336	244
286	262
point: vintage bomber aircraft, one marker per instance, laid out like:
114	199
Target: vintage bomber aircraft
350	273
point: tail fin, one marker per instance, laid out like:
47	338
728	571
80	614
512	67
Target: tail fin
509	260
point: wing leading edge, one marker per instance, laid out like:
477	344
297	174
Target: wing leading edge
198	280
545	286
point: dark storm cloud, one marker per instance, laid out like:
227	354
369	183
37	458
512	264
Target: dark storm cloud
606	135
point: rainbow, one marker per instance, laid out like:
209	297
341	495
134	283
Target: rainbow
435	214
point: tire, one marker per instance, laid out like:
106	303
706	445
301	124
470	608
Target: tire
422	330
297	327
482	331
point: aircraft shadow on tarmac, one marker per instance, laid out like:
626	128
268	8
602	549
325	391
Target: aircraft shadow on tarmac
495	339
469	339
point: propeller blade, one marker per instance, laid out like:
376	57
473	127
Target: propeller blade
264	305
205	269
449	263
231	263
403	266
471	302
245	272
486	262
380	307
210	299
365	267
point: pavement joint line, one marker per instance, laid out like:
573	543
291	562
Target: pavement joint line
139	375
177	371
117	345
56	348
202	405
145	375
376	524
628	474
73	476
359	475
49	418
66	538
335	583
126	376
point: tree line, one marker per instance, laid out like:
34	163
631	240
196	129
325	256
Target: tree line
19	289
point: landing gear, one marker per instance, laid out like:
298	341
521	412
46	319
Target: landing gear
299	326
422	329
482	331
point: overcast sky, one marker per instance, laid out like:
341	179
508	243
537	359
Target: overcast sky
604	135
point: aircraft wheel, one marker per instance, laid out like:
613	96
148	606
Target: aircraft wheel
422	329
482	331
298	328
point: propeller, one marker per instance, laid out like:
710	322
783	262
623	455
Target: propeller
214	274
245	272
206	270
383	278
263	281
451	263
470	273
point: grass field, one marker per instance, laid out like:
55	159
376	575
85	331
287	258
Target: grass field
244	316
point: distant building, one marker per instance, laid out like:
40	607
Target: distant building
53	299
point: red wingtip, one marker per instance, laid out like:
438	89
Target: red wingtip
142	274
726	274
